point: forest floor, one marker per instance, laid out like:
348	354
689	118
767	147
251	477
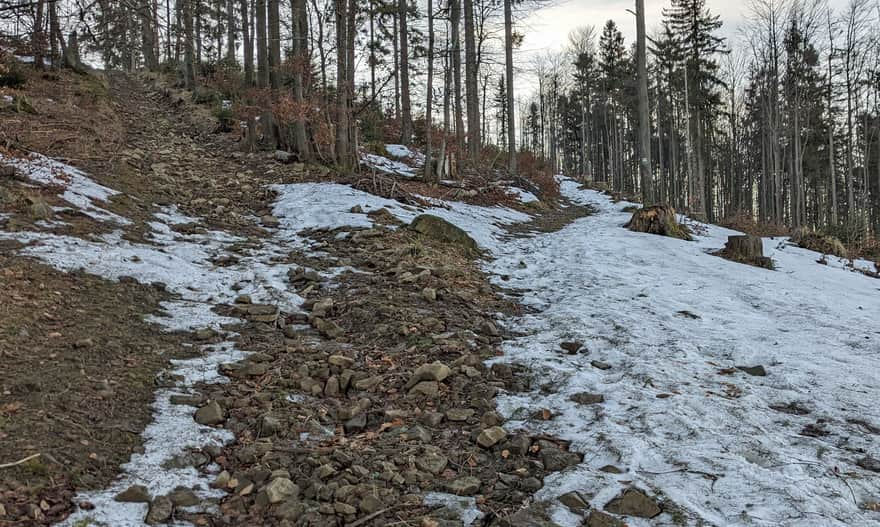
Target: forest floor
197	336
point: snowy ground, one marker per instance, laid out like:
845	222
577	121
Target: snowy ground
665	315
714	447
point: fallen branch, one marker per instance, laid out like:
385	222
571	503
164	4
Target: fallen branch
369	517
20	461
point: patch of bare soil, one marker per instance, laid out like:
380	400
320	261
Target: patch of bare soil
78	366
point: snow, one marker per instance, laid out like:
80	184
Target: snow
714	447
399	151
812	326
78	189
406	163
524	196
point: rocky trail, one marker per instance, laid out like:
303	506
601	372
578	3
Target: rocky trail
223	339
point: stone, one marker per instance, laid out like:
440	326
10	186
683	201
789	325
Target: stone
270	221
290	510
344	509
610	469
356	424
283	156
754	371
491	437
134	494
222	480
432	461
588	398
331	388
325	471
83	344
634	502
418	433
280	489
204	334
243	299
160	511
600	365
869	463
436	371
531	484
341	360
459	414
439	229
328	328
432	419
322	307
574	501
269	426
491	418
195	400
210	414
182	497
429	294
427	388
518	445
370	504
465	486
266	313
571	347
555	459
602	519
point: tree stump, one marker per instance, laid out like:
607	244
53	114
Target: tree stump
658	219
746	249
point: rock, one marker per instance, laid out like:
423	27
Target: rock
491	418
418	433
370	504
83	344
466	486
344	508
210	414
634	502
283	157
869	463
440	229
491	437
610	469
270	221
571	347
266	313
280	489
487	327
754	371
182	497
328	328
40	210
588	398
459	415
243	299
325	471
222	480
600	365
134	494
427	388
160	511
432	419
355	424
290	510
269	426
357	209
432	461
574	501
531	484
555	459
369	383
204	334
341	360
601	519
322	307
429	294
436	371
331	388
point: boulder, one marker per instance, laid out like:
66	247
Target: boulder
634	502
441	230
210	414
160	511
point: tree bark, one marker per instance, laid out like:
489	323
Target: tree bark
455	35
274	44
262	44
406	129
508	53
471	84
429	97
189	72
645	176
248	40
300	34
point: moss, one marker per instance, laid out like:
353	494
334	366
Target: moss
440	229
821	243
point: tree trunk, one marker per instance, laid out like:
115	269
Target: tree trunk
300	34
274	44
406	126
248	40
189	71
343	145
38	43
429	98
471	87
455	31
645	176
230	31
511	123
262	44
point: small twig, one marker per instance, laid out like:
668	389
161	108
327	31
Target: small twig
369	517
20	461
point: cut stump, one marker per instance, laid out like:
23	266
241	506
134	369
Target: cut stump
658	219
746	249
